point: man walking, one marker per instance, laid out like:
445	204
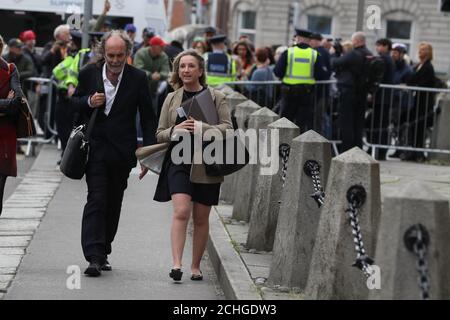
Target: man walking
119	91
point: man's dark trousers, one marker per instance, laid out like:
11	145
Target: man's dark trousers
298	105
106	185
352	107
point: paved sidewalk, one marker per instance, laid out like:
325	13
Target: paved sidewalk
141	256
394	176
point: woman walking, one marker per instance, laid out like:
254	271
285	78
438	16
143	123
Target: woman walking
10	99
188	186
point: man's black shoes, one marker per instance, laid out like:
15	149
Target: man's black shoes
106	266
94	269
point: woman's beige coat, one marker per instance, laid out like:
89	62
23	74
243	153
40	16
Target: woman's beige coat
169	117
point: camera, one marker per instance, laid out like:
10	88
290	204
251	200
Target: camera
338	49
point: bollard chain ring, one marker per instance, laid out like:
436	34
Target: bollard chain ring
356	197
312	170
417	241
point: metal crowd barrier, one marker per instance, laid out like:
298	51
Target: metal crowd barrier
48	87
397	117
268	94
404	119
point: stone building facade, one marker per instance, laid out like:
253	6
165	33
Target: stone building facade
407	21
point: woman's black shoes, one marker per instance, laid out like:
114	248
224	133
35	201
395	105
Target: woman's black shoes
197	277
176	274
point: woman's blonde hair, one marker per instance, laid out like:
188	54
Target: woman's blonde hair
347	45
429	49
175	80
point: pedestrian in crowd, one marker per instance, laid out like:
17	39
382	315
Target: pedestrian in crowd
173	49
403	70
378	120
28	37
316	44
131	30
421	113
322	91
54	53
347	46
101	24
147	34
66	74
299	67
220	66
23	64
349	69
207	35
327	43
262	94
10	99
199	45
246	60
155	63
189	188
118	90
278	52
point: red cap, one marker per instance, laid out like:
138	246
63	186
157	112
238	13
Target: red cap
27	35
157	41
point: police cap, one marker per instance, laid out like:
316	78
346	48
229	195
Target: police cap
316	36
303	33
76	34
218	38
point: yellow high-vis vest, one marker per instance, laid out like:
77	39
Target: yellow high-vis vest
220	68
300	66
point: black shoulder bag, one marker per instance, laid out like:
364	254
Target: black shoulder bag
226	168
76	154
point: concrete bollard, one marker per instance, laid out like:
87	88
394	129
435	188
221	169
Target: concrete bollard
268	192
441	133
415	204
235	99
246	178
332	274
243	112
299	212
225	89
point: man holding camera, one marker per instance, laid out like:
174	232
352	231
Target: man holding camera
350	68
299	67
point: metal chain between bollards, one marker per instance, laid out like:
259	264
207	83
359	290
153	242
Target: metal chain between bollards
417	241
356	197
312	170
285	151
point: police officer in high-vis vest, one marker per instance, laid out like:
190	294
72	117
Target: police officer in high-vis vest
298	68
66	74
220	66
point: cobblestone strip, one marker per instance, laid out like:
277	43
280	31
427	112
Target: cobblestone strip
22	214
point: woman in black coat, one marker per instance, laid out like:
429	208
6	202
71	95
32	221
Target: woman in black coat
421	113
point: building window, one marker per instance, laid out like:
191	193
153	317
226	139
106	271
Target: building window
320	24
399	31
247	24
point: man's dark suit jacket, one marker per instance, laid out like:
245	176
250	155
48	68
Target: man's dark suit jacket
114	137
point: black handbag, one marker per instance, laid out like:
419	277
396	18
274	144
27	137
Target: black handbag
76	154
224	169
